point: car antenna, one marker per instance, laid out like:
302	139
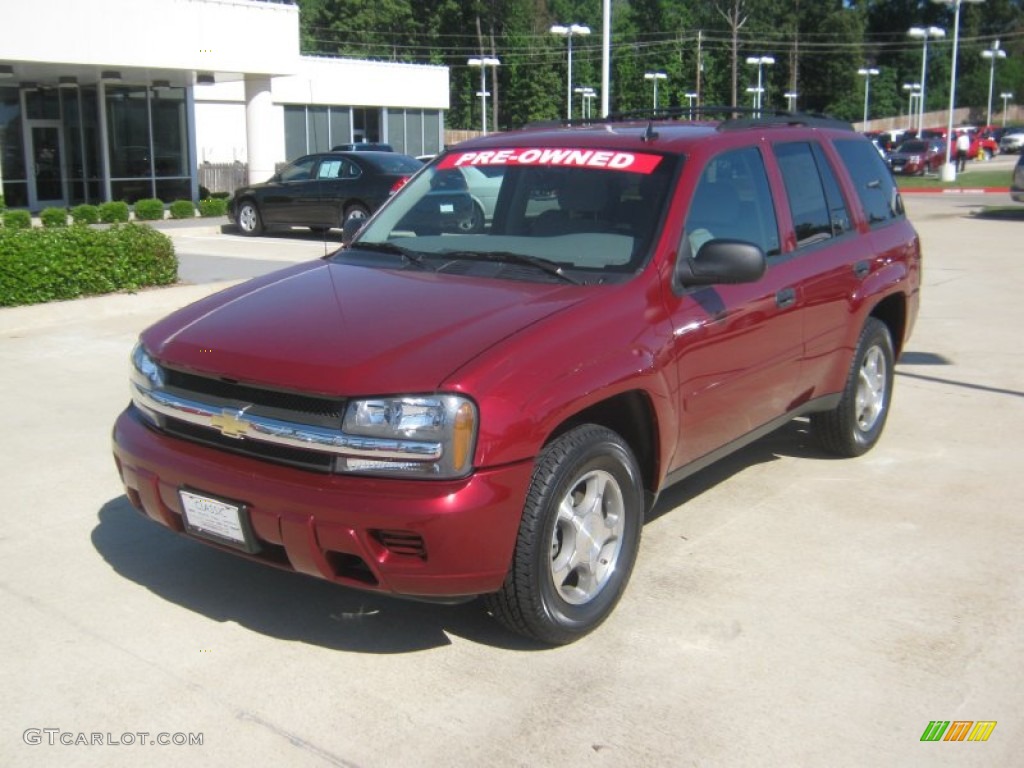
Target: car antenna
649	133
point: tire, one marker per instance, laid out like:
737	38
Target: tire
355	211
585	488
249	220
473	223
856	424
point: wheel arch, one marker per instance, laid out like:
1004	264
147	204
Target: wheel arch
631	415
892	311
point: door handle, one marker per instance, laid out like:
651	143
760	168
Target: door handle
785	298
862	269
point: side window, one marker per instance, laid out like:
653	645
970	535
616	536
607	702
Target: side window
733	200
815	201
349	170
329	169
300	170
872	179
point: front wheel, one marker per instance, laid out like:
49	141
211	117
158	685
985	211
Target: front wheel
249	221
856	424
578	538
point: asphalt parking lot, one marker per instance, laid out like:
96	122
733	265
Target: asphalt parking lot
788	609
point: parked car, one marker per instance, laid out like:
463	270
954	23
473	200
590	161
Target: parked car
1012	140
1017	184
321	191
918	156
364	146
444	415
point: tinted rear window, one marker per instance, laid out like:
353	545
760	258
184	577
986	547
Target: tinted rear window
876	189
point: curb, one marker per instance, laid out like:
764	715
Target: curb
955	191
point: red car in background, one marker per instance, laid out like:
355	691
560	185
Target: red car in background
916	157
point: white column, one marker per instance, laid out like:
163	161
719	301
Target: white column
259	135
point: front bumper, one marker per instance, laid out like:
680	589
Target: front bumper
429	539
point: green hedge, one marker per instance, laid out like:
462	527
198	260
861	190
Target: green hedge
149	209
213	207
182	209
54	217
114	212
17	219
38	265
85	214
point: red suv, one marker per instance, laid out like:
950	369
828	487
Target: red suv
443	411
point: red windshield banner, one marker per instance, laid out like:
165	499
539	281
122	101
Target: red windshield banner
633	162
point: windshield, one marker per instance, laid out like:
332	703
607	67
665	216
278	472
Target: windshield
913	146
580	215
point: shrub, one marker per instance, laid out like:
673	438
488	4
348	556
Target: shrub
182	209
17	219
85	214
54	217
40	265
2	204
112	213
220	195
213	207
149	209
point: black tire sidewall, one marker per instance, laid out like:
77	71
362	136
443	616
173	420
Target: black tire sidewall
875	335
610	455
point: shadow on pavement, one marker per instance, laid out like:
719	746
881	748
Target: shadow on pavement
279	603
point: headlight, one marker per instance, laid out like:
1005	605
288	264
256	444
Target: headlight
146	375
444	425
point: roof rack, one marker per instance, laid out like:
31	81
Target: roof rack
732	118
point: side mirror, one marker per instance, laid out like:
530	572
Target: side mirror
722	261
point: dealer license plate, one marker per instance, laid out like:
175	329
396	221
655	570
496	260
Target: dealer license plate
218	520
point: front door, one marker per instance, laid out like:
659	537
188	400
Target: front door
46	169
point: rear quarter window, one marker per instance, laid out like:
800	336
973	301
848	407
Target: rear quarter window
879	198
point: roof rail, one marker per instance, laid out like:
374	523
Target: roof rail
732	118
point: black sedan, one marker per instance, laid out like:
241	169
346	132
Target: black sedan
321	191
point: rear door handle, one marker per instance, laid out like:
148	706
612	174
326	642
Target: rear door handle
785	298
862	269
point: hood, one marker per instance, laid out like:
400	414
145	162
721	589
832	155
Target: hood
339	329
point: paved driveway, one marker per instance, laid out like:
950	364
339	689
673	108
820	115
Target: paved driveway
788	609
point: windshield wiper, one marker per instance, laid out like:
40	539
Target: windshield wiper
545	265
412	257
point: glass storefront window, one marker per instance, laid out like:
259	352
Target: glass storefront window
12	154
170	132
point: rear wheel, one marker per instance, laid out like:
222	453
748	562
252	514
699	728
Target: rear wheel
578	538
856	424
355	211
249	221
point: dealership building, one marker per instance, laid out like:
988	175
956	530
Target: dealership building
123	100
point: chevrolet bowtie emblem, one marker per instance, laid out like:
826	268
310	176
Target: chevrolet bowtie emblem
230	423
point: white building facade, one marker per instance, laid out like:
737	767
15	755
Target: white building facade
124	99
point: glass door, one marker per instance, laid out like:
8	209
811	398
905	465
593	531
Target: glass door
46	178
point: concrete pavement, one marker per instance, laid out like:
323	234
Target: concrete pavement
787	608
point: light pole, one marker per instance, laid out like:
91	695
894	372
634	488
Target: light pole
867	73
483	63
923	33
993	53
567	32
759	61
655	77
913	92
690	97
586	95
790	100
949	169
1005	96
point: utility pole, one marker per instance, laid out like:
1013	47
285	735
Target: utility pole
700	60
